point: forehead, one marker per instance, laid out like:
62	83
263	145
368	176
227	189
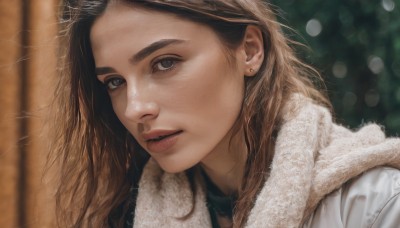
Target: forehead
129	23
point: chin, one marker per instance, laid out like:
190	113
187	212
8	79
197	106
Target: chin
171	167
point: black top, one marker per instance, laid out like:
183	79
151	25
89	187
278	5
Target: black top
218	203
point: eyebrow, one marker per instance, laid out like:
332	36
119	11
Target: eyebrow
141	54
152	48
104	70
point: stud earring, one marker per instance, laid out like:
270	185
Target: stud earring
251	70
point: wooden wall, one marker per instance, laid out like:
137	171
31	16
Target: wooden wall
28	57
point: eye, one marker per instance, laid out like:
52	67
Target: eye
165	64
113	83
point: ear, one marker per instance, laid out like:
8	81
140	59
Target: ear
253	46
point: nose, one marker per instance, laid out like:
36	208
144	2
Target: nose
140	108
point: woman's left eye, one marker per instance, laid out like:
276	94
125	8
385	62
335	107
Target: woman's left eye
165	64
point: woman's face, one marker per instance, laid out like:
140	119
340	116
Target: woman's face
169	81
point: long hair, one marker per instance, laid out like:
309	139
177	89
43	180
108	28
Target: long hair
100	161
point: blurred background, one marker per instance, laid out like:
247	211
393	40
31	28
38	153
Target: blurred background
28	69
355	44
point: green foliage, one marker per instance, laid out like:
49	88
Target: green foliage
355	44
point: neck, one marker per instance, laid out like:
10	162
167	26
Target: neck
225	164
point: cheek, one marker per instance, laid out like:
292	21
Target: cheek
221	89
213	96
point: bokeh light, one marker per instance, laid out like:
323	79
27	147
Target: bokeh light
375	64
388	5
313	27
339	69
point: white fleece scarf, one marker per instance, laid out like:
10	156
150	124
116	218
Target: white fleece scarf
313	157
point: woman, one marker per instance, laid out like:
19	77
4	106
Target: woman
179	113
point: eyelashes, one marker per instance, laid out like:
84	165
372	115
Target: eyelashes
158	66
113	83
165	63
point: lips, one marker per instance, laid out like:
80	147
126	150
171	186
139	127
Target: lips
159	141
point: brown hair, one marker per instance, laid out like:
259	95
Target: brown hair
101	161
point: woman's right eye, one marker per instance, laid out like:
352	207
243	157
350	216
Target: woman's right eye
113	83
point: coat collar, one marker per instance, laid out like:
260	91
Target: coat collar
167	200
